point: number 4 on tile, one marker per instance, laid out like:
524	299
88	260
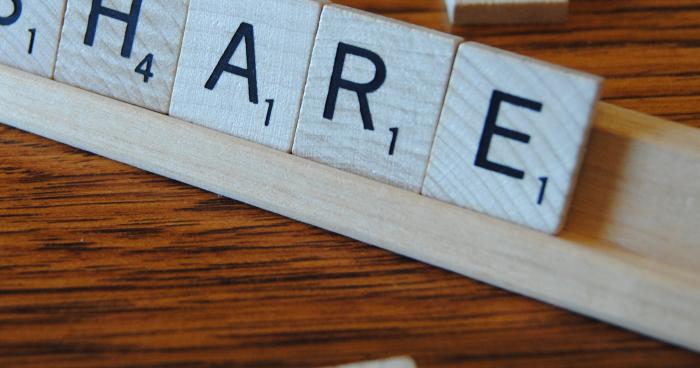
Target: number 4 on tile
144	68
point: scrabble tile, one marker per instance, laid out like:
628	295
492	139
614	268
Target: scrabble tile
373	96
124	49
29	34
511	137
507	11
243	67
400	362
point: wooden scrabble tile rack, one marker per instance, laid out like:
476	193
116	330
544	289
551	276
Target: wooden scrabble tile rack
573	270
628	254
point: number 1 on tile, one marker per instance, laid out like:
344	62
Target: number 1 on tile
29	34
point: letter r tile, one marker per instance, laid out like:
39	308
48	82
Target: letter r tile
373	95
511	137
124	49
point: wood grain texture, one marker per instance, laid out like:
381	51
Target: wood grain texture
104	68
390	142
45	19
105	265
511	137
506	11
283	34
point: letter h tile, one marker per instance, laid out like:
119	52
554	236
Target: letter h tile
124	49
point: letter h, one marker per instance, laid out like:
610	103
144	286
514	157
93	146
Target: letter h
131	19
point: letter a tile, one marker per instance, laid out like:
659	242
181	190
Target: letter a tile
511	137
373	96
29	33
124	49
243	67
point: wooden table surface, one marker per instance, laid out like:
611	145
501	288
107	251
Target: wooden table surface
103	265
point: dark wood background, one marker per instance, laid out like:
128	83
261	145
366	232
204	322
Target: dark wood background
103	265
